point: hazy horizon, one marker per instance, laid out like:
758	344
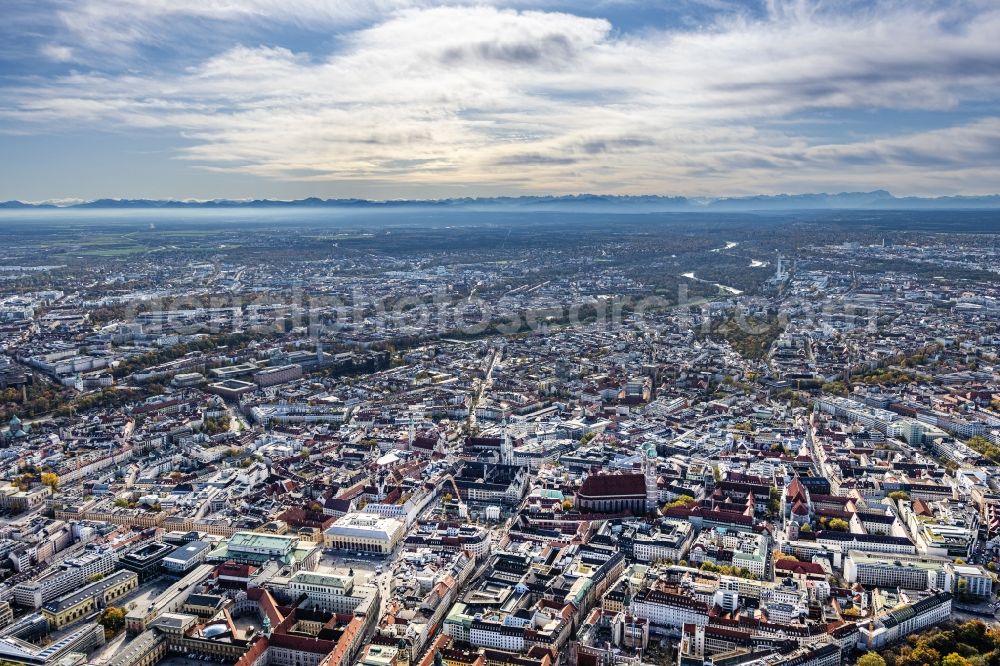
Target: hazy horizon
667	200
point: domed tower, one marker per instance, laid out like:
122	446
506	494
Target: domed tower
649	469
16	430
403	653
506	446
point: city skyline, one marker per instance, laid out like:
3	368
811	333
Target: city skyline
409	99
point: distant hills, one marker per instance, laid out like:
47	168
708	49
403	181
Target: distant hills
875	200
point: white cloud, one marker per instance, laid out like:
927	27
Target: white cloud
116	26
550	101
57	52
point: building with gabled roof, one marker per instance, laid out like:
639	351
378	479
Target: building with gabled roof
613	493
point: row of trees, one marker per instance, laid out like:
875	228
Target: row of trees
836	388
724	569
216	426
985	448
889	377
42	398
728	570
834	524
774	502
683	500
207	343
29	478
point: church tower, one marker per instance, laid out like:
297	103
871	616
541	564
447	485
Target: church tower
403	653
649	470
506	447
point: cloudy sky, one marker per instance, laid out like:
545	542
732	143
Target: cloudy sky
431	98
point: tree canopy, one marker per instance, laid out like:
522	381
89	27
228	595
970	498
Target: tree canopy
969	643
871	659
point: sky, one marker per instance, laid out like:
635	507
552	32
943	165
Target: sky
388	99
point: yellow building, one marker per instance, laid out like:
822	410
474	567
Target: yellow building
146	649
18	500
89	599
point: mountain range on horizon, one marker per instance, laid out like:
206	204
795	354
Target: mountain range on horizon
874	200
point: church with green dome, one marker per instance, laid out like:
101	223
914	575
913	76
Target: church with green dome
16	429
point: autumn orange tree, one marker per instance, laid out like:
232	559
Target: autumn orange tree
969	643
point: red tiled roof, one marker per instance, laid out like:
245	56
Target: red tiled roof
833	513
338	504
921	508
796	489
484	442
831	499
614	485
254	653
231	568
796	567
268	606
424	442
